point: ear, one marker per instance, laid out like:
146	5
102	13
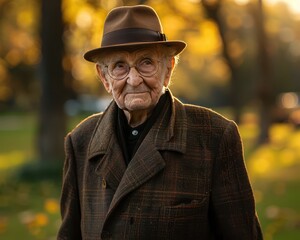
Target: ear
103	78
170	68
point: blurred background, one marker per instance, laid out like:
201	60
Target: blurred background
242	60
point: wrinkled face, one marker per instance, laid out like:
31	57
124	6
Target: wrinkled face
136	79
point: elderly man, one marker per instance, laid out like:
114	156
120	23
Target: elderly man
149	166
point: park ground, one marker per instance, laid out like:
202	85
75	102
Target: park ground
29	204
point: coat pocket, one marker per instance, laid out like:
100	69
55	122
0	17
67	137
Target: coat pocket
186	220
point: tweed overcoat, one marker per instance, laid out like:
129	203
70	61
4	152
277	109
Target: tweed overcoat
187	180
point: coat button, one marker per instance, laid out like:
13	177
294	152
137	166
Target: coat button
103	183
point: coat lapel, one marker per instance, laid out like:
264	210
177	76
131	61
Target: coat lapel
104	147
168	133
145	164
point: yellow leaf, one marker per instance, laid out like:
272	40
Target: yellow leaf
41	219
51	205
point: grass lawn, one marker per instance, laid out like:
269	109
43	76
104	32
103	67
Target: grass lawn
30	209
274	170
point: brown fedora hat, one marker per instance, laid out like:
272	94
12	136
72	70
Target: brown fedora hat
130	26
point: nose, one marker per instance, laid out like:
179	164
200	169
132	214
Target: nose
133	77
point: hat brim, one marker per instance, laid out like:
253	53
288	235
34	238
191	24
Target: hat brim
93	55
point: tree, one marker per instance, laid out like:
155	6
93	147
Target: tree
52	119
213	11
264	89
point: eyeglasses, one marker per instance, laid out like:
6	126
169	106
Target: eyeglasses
147	67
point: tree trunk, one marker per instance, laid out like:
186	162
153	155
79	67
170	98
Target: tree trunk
264	90
213	11
52	119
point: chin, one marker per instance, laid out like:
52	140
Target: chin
139	107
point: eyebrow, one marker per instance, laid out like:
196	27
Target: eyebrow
122	56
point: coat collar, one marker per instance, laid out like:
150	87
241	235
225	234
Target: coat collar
166	134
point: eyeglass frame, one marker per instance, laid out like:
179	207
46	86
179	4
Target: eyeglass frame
131	66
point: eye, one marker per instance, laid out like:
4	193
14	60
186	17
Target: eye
146	62
119	66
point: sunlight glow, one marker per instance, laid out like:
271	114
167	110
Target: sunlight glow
84	19
294	5
241	1
289	100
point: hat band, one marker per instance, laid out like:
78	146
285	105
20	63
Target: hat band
131	35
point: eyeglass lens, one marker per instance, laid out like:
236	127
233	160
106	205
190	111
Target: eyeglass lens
146	67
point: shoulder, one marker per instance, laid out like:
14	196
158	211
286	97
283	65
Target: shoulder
206	124
85	128
211	126
203	116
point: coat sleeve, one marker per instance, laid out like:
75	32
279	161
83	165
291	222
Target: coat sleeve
69	202
232	200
